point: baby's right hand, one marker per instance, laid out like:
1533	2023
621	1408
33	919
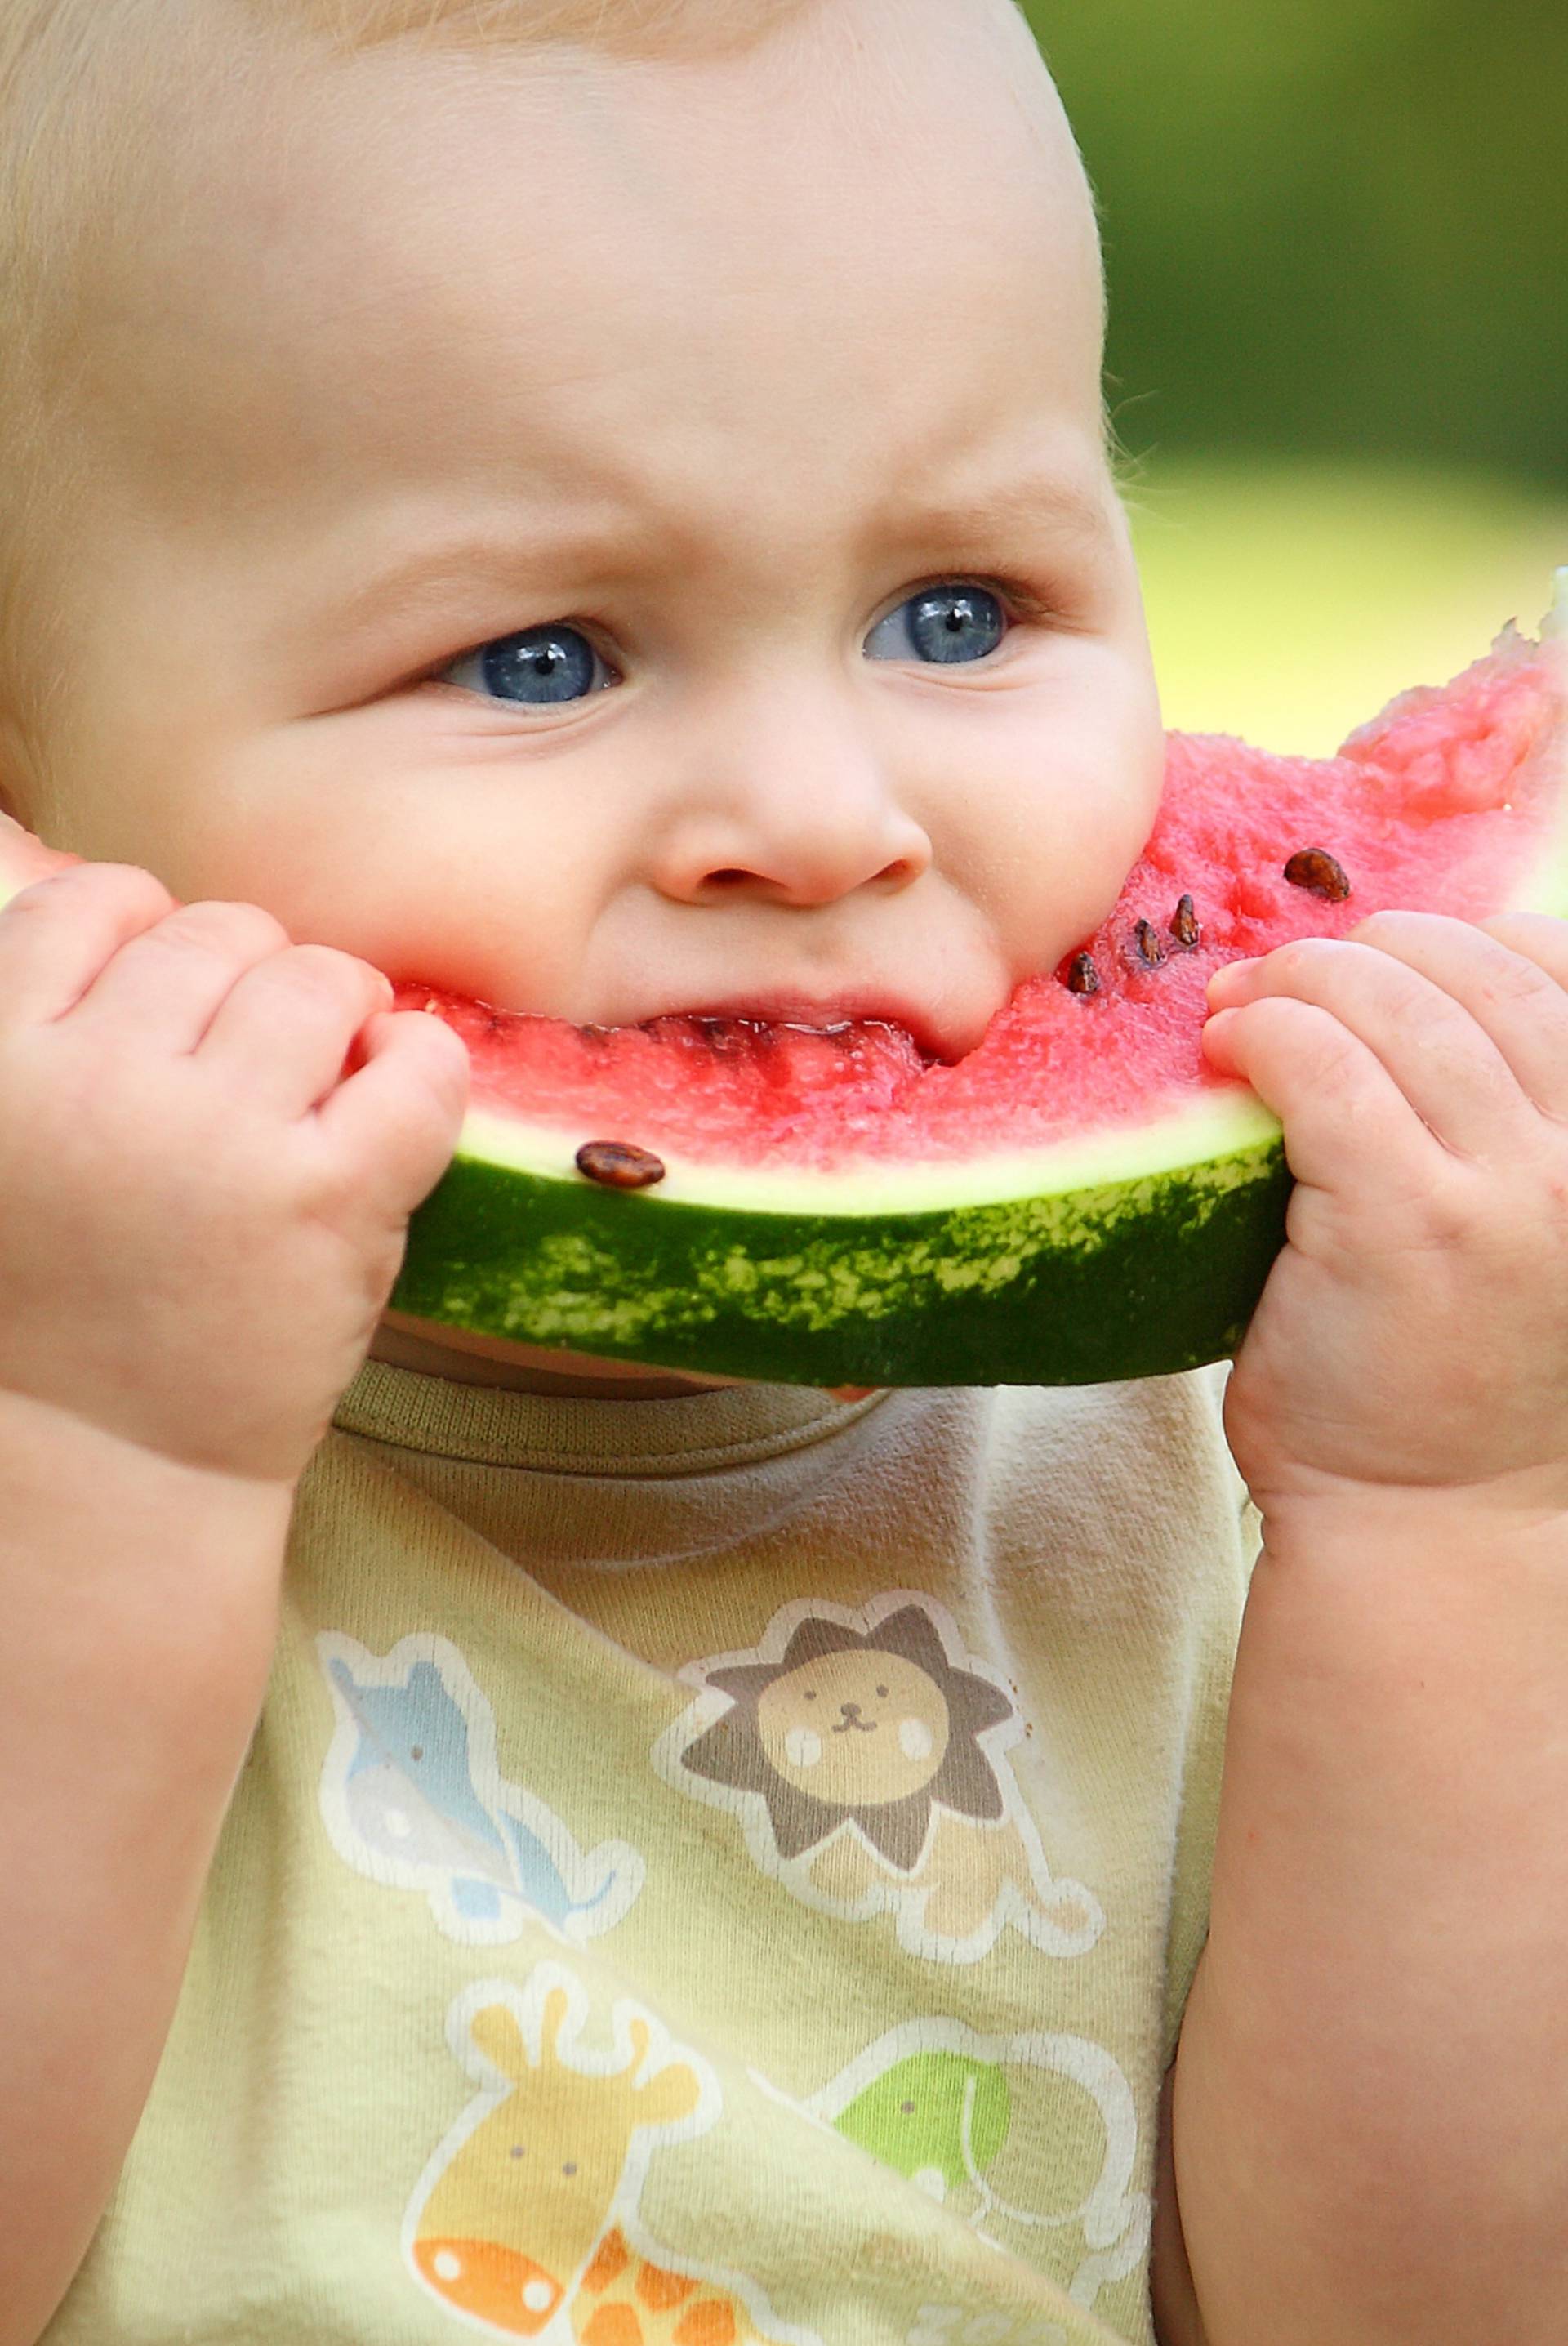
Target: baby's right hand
202	1215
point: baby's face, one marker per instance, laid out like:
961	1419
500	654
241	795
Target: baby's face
617	539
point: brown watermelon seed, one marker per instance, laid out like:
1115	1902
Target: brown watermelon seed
1151	947
1186	928
1314	869
618	1166
1083	978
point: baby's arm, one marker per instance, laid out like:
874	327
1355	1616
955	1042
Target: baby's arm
1370	2144
200	1217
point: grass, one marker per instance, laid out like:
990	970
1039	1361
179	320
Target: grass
1288	602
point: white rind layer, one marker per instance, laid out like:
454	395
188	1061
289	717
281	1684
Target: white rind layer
1221	1124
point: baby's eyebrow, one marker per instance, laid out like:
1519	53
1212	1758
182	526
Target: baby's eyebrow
1027	500
612	546
504	556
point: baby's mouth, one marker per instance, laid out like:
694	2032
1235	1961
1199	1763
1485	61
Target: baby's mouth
838	1021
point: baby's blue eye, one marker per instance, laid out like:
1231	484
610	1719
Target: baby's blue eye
539	669
943	624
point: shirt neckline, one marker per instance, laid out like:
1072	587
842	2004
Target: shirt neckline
735	1426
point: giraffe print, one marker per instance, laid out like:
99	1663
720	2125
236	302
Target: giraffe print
523	2220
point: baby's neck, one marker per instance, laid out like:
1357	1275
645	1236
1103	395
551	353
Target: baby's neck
430	1349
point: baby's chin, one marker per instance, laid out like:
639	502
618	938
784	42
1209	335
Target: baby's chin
430	1349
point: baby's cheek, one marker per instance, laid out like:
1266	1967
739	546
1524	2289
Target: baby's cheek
1079	810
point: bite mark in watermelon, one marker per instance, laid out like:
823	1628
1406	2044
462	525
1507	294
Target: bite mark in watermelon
1079	1200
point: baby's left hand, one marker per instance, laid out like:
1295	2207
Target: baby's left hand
1414	1333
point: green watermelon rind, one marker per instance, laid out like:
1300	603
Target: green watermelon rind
1068	1285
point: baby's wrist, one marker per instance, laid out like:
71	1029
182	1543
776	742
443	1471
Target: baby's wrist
1470	1528
88	1506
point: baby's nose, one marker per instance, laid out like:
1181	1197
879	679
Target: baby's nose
789	803
809	882
786	855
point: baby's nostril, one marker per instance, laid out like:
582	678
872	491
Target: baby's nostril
727	879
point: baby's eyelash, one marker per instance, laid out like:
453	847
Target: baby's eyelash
1026	603
596	631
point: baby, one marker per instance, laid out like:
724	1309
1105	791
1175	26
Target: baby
602	506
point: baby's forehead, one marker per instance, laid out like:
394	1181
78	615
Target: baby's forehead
415	207
533	279
943	104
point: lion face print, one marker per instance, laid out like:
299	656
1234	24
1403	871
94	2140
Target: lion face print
864	1754
865	1725
811	1733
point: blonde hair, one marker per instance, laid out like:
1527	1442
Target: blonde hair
81	81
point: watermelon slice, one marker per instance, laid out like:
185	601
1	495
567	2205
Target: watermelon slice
1081	1199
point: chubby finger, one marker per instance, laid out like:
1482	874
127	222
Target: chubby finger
1510	975
1345	1120
1538	939
400	1114
1446	1065
284	1027
168	982
1540	936
58	934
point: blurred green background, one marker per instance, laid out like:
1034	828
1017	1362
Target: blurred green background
1337	239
